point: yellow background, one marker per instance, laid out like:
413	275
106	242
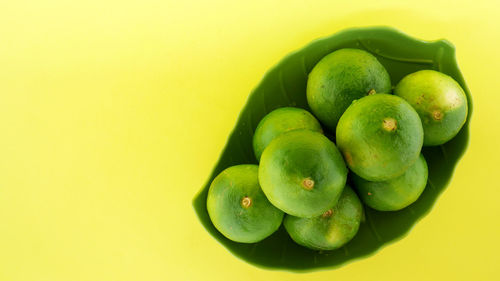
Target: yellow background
113	113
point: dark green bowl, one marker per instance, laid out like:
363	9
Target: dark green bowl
285	85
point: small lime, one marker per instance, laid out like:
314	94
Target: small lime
238	208
279	121
331	230
394	194
439	101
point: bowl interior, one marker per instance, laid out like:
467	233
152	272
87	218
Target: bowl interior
285	85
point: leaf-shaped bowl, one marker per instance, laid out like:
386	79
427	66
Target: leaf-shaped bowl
285	85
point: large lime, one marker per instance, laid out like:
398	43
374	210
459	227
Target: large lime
302	173
341	77
380	136
394	194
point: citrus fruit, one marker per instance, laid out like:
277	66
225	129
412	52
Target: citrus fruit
279	121
394	194
238	208
302	173
380	136
439	101
341	77
331	230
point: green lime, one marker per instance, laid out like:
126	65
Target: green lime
394	194
341	77
302	173
238	208
279	121
439	101
332	229
380	136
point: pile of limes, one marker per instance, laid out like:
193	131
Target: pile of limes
303	174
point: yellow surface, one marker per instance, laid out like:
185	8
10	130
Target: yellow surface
113	113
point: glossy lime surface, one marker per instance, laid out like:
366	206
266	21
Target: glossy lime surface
440	102
380	136
341	77
302	173
238	208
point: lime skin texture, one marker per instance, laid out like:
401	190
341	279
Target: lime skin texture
380	136
302	173
341	77
238	208
394	194
332	229
439	101
279	121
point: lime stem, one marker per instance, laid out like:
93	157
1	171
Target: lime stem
389	124
308	183
328	213
246	202
437	115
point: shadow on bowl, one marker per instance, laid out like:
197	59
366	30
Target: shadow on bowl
285	85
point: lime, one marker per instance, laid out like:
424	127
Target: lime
332	229
341	77
394	194
238	208
302	173
439	101
279	121
380	136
